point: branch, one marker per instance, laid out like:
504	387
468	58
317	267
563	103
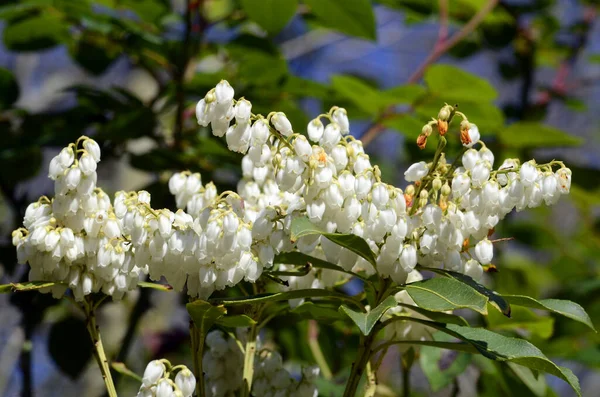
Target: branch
441	46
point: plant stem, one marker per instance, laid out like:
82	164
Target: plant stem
358	367
197	338
405	379
249	353
315	348
365	347
99	354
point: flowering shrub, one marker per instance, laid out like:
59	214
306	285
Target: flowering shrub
310	214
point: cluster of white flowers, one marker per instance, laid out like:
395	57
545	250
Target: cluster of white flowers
329	178
223	362
157	381
76	239
272	380
443	218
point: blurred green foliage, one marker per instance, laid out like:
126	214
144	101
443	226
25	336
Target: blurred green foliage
544	260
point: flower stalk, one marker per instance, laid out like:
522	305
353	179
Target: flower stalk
99	354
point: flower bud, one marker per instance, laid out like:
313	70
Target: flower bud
416	171
442	127
186	382
340	116
315	130
426	130
446	190
153	372
242	111
87	164
437	184
302	147
484	250
422	141
164	389
564	180
282	124
444	113
470	136
92	147
224	92
408	257
473	269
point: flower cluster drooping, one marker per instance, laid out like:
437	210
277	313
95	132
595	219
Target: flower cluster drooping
223	363
76	239
441	219
163	380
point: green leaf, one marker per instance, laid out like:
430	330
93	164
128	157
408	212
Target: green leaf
563	307
366	321
502	348
441	368
402	94
440	294
160	287
9	88
407	125
282	296
271	15
238	320
437	316
300	259
35	33
30	286
353	17
494	298
358	92
205	315
123	370
455	84
522	321
523	134
322	314
303	227
535	381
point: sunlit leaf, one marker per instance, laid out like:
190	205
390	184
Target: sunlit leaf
271	15
353	17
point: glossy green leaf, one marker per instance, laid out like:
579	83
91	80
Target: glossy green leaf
563	307
322	314
523	321
352	17
9	88
502	348
440	294
495	299
437	316
366	321
442	367
271	15
301	259
238	320
454	84
303	227
204	314
523	134
534	381
282	296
